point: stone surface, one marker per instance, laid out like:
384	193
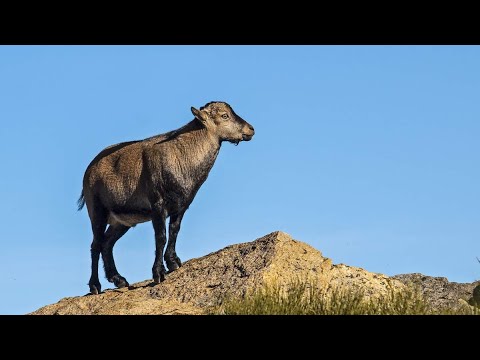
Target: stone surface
234	271
439	291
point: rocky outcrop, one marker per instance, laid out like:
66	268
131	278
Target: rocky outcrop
232	271
441	293
236	270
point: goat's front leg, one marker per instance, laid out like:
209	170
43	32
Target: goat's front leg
171	258
159	216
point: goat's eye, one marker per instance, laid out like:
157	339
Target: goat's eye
225	116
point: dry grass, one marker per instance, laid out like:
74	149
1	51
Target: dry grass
304	298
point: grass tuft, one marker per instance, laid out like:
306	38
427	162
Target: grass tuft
305	298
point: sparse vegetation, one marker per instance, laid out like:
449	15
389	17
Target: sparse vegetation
303	298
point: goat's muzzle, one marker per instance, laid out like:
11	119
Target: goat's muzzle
248	133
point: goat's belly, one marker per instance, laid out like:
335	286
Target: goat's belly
128	219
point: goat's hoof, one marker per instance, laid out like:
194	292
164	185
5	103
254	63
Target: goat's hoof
172	267
119	281
173	264
159	279
178	261
95	289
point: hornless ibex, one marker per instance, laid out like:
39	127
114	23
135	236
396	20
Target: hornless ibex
153	179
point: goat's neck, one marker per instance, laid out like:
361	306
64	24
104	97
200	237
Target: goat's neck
197	151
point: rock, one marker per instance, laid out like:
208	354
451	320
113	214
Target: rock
232	271
475	299
441	293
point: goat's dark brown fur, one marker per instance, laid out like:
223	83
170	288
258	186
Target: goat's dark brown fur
153	179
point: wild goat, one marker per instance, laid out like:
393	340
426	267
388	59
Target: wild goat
153	179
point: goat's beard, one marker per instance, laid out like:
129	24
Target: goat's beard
235	142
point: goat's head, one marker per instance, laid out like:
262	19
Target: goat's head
219	118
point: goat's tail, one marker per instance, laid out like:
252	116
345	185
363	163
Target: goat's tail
81	201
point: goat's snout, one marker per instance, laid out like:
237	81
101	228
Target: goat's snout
248	132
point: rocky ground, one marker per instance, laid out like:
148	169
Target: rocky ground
237	269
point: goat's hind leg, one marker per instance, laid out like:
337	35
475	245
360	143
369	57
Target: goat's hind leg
113	233
94	282
98	218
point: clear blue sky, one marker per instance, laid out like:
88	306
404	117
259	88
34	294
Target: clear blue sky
368	153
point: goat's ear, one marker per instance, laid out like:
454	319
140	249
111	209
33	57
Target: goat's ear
200	115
